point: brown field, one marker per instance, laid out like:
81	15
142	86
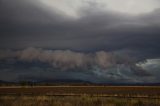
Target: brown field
80	96
124	91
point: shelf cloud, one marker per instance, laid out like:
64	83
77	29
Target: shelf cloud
96	35
66	59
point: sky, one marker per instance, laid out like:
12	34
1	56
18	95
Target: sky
98	41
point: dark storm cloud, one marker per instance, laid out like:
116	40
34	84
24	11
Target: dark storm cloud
24	12
101	67
26	24
66	59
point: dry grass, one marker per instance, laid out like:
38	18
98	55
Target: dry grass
120	91
74	101
80	96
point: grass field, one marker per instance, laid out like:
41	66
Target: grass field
80	96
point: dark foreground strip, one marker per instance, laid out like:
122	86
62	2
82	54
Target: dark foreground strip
61	95
152	92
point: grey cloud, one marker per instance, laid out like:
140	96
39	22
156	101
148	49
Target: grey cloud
70	60
122	74
120	38
94	30
25	12
63	59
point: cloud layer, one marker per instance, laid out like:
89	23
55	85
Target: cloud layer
66	59
133	7
105	39
95	30
102	65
